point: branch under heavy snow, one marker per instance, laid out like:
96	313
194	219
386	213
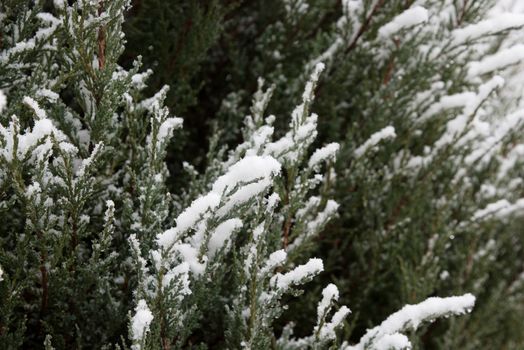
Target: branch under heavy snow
284	282
385	134
409	18
42	35
499	210
243	181
140	323
410	317
499	60
324	154
487	27
3	101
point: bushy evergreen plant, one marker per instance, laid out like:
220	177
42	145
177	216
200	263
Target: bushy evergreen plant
402	198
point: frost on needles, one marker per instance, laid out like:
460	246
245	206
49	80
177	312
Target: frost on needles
97	252
242	207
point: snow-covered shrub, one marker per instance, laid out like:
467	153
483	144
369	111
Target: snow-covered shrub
428	174
227	243
97	252
92	235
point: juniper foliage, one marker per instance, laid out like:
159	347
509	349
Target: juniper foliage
105	244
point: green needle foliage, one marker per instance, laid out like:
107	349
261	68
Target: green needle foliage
324	153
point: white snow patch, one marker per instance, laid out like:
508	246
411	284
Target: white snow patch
222	234
499	23
385	134
246	170
39	112
411	316
141	321
312	268
499	60
3	101
395	341
188	218
409	18
326	153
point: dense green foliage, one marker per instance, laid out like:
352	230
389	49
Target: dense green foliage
366	250
116	235
378	249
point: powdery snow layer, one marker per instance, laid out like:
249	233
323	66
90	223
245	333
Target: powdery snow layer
141	320
328	331
411	316
246	170
245	179
188	218
499	60
222	234
324	154
295	276
39	112
499	209
167	127
500	22
393	341
445	103
409	18
3	101
275	259
387	133
330	295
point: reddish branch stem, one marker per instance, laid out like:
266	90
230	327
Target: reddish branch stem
391	65
101	40
462	15
43	275
166	344
287	228
365	25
